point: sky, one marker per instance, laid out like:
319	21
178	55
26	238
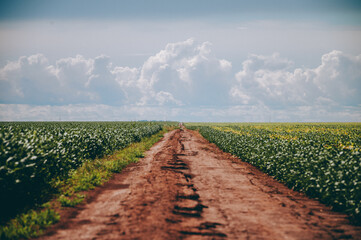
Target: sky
204	60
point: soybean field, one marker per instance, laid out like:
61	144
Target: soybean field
32	154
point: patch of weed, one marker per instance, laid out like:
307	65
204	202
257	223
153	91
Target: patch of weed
71	201
30	224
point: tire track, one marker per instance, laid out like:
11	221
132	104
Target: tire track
188	207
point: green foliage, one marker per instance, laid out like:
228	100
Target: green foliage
29	225
32	154
71	201
322	160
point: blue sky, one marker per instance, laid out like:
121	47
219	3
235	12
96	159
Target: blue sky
182	60
161	9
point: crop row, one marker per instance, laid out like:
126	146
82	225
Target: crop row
323	160
32	154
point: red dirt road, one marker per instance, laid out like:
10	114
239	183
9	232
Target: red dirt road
186	188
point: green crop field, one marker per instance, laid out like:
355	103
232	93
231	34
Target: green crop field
32	154
322	160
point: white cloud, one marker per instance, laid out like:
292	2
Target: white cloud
74	74
273	81
173	76
29	80
339	77
184	81
186	73
225	65
103	82
165	97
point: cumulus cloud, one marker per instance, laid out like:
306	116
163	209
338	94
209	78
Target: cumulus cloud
339	77
186	81
28	80
181	74
103	82
275	82
188	73
33	80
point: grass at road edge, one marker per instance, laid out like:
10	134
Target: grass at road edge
72	190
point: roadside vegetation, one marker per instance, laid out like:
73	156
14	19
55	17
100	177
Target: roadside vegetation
322	160
47	166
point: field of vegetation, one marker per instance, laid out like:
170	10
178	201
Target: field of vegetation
322	160
33	155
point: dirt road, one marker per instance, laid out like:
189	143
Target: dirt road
186	188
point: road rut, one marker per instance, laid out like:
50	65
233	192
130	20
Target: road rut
186	188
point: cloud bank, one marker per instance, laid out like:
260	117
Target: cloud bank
184	81
273	81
